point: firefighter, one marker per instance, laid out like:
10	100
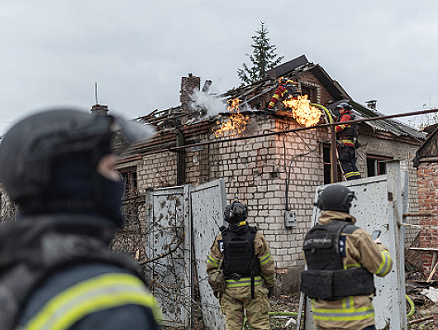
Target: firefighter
341	259
56	271
247	265
286	89
346	134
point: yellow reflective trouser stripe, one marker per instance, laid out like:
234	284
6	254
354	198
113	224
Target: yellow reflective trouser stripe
347	175
265	259
347	313
97	294
213	261
384	264
244	281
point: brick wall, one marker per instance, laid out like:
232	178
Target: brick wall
254	170
428	202
398	151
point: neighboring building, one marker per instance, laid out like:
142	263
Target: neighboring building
426	161
275	174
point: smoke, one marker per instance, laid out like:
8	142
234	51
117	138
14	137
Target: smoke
207	102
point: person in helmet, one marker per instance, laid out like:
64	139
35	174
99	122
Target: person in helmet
249	270
341	259
286	89
345	136
56	271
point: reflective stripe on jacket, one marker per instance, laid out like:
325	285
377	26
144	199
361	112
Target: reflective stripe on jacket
93	295
244	281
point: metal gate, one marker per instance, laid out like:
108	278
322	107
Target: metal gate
181	224
380	204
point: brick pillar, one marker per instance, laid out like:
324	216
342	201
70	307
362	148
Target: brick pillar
188	86
427	176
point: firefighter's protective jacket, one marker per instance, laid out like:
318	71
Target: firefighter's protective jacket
279	93
58	273
354	312
346	132
261	251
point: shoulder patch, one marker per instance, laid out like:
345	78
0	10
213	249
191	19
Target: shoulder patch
221	245
342	249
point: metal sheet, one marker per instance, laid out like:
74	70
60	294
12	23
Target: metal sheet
379	205
169	275
208	202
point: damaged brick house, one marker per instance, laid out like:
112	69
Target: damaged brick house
274	174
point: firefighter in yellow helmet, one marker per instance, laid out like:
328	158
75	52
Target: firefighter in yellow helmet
341	259
248	268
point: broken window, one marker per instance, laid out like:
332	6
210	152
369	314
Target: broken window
376	165
311	92
129	177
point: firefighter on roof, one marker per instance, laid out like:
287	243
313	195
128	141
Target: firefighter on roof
341	260
345	136
248	268
56	271
286	89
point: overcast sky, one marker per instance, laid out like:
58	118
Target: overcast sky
53	52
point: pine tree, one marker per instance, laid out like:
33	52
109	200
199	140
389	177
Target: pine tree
263	58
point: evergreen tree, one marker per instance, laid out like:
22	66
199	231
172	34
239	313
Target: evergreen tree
263	58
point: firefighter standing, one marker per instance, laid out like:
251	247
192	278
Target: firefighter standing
247	264
345	136
341	260
56	271
286	89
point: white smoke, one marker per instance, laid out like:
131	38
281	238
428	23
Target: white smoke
210	103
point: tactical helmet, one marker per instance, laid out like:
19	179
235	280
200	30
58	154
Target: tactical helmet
336	198
235	212
29	148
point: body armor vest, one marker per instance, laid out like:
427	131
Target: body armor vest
351	131
239	257
32	250
326	277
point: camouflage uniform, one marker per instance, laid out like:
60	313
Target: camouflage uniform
237	295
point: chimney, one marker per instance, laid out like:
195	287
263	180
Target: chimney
99	109
372	104
188	86
206	87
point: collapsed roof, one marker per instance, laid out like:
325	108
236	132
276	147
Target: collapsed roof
251	95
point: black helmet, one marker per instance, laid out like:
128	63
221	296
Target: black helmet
336	198
29	148
235	212
344	105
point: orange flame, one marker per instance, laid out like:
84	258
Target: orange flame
302	111
236	122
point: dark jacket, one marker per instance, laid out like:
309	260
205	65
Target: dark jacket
69	278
